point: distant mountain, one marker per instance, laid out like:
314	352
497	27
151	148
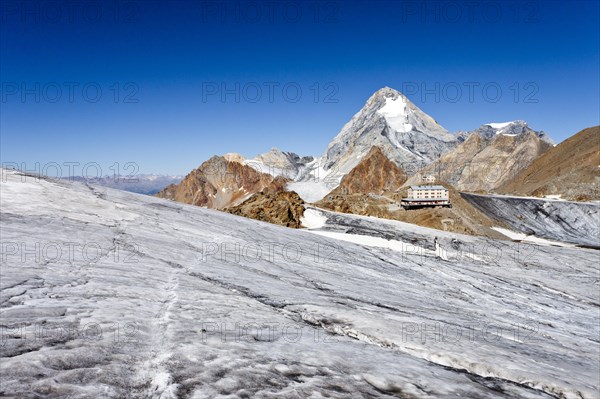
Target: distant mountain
514	128
141	184
280	163
571	170
406	135
222	182
486	159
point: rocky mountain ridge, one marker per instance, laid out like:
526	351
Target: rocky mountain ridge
222	182
570	170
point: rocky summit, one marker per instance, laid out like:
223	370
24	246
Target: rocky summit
284	208
221	182
374	174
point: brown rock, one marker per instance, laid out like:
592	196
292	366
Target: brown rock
284	208
570	169
375	173
221	182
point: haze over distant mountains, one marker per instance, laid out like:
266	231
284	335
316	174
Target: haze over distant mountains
142	184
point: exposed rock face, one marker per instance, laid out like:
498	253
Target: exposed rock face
482	163
283	208
220	183
571	169
374	174
572	222
405	134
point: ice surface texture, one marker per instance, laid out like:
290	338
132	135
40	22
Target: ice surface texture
169	300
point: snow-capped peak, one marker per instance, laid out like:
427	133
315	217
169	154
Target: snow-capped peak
406	135
500	125
512	129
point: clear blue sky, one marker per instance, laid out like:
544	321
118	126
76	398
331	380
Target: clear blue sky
155	83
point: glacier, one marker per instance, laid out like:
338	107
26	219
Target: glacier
106	293
566	221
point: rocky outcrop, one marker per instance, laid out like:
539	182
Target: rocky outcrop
571	170
481	164
374	174
573	222
282	208
221	182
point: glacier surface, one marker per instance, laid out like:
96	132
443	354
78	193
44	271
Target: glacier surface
112	294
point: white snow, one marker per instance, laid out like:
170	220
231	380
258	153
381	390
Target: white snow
313	219
309	191
182	301
378	242
396	114
514	235
499	125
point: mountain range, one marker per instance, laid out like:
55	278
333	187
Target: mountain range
405	135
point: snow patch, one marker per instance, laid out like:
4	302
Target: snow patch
377	242
499	125
313	219
309	191
396	114
514	235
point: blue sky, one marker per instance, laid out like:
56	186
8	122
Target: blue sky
166	85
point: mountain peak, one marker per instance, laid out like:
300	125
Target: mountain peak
234	157
501	125
405	133
375	173
381	95
513	128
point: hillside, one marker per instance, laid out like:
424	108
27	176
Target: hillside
462	218
481	164
571	170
